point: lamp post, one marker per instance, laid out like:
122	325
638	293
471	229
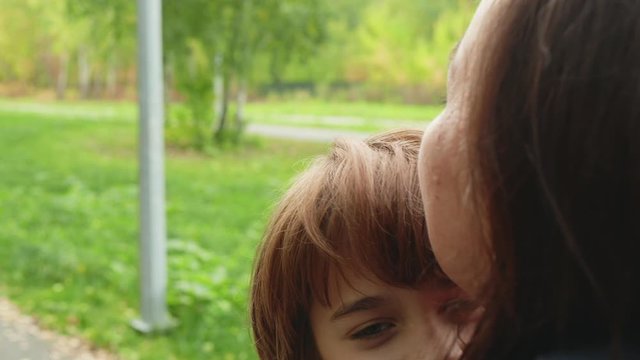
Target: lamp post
153	238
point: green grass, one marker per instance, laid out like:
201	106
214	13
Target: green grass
85	110
351	116
68	229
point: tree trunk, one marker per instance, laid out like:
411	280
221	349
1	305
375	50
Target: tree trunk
111	78
63	77
168	81
219	99
84	73
224	107
241	101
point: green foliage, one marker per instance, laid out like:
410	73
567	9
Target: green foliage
387	50
191	126
187	126
17	18
68	230
208	39
379	43
217	50
43	42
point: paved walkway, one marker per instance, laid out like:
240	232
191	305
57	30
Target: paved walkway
18	345
338	120
22	339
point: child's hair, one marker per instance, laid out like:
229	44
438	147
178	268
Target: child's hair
359	208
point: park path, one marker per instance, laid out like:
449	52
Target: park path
22	339
338	121
302	133
300	127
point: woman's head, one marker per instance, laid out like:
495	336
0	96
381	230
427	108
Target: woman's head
351	230
537	159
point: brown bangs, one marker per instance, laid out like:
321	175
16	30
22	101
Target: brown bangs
368	216
356	209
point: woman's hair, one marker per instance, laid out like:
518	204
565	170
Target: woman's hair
359	208
554	149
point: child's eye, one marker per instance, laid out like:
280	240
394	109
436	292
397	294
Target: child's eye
372	331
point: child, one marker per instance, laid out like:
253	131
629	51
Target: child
346	271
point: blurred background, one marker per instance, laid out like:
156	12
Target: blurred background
246	82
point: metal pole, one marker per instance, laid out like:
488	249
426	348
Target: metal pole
153	239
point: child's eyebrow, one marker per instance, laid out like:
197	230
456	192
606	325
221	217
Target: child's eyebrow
363	304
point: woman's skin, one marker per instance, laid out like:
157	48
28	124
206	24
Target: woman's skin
368	319
455	228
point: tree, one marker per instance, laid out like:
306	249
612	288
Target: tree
218	51
236	32
20	59
385	49
103	39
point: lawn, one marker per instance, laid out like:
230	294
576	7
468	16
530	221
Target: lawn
352	116
68	228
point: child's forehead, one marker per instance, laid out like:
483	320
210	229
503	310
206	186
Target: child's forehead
364	266
372	260
341	283
346	284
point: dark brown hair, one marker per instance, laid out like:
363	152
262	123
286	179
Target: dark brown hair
554	144
358	208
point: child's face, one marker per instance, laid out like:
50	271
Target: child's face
373	320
